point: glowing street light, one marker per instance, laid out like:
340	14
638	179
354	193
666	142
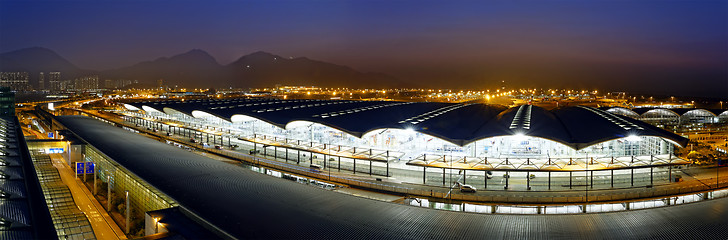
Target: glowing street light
633	138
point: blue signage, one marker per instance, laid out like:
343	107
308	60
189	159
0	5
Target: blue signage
89	167
50	134
55	150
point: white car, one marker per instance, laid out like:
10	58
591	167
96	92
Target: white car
467	188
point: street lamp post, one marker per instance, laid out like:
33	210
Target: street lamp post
95	191
128	212
85	162
108	192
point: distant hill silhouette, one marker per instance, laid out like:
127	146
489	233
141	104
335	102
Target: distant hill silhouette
198	69
195	68
36	59
263	69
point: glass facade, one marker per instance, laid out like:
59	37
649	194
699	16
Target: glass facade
7	102
142	196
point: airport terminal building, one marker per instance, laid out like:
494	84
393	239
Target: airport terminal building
214	199
489	146
686	119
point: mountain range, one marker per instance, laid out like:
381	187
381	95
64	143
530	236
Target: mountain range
198	69
35	60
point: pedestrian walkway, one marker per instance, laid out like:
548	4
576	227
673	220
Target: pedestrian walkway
104	227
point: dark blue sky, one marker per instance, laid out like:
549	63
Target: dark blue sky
624	44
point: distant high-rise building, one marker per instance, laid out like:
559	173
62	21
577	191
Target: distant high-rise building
41	81
125	82
17	81
86	83
109	84
65	85
117	83
160	83
79	83
54	81
92	82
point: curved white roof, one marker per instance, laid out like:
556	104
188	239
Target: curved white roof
576	126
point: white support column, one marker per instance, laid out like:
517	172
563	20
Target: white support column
128	213
95	190
108	192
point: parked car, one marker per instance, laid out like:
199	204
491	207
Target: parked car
192	140
218	147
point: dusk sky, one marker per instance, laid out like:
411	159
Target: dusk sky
680	46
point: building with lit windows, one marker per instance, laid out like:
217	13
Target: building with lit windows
54	81
86	83
41	81
7	102
118	83
17	81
